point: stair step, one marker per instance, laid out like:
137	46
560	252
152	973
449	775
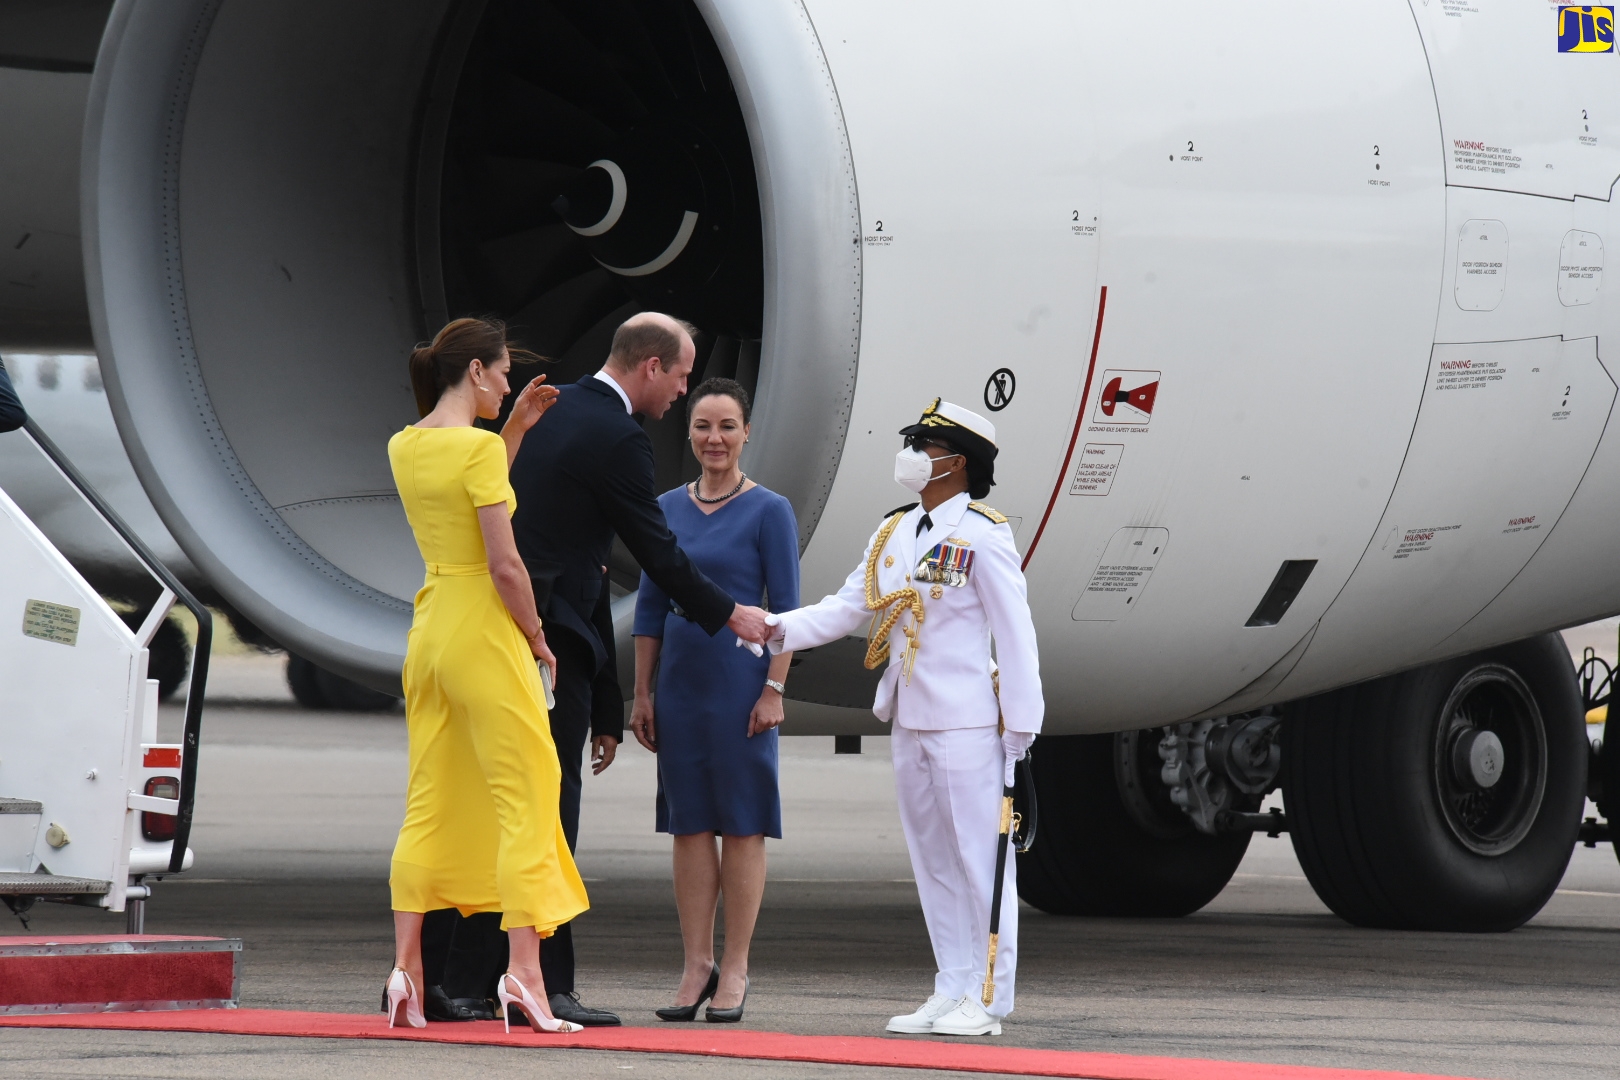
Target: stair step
51	885
117	973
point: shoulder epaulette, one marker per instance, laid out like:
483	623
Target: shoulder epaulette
906	509
994	515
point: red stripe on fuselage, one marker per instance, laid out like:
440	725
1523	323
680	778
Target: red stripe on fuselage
1079	420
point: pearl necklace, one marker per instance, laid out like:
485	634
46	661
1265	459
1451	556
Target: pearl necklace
697	493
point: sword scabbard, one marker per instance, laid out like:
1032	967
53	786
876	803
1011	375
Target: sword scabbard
988	994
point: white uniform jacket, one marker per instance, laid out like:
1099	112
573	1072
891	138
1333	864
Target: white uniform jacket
977	593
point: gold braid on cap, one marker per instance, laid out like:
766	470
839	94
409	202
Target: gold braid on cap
931	417
891	607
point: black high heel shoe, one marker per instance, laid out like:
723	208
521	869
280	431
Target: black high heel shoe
688	1013
728	1016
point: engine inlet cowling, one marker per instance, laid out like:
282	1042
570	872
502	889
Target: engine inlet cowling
273	226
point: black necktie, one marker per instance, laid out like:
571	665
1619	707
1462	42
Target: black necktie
924	523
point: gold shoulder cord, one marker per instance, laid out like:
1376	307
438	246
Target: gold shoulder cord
891	607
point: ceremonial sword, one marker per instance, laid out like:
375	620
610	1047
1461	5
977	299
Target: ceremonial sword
989	992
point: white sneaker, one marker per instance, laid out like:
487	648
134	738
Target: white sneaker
968	1018
921	1022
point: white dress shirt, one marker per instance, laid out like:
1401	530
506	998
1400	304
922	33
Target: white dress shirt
617	389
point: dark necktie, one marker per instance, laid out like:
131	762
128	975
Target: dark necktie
924	523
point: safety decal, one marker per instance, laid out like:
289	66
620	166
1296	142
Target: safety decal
1127	398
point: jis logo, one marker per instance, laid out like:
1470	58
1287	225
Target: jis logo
1586	29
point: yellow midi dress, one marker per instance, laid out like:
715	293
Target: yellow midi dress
481	831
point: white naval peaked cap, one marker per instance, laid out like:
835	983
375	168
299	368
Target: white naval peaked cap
967	418
971	434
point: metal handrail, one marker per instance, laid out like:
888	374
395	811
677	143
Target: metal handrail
199	653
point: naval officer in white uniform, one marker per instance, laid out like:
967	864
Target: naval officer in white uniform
939	582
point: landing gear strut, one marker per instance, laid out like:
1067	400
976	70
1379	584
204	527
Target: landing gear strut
1111	840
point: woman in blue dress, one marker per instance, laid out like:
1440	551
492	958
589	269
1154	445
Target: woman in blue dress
717	705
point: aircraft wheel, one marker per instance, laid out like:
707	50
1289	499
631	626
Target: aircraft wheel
346	695
316	688
1444	798
303	679
1110	841
168	658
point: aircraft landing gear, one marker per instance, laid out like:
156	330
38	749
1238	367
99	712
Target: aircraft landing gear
1111	841
1443	798
314	687
168	655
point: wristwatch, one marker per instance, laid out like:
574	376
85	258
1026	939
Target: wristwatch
778	687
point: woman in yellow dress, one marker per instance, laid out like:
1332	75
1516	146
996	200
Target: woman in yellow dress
481	830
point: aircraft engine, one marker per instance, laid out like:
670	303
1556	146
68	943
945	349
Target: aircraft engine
322	189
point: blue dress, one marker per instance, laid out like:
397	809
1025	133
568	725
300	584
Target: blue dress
711	776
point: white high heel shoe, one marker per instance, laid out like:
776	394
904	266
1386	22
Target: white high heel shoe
402	991
524	1000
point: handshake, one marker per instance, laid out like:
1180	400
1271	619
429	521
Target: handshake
754	627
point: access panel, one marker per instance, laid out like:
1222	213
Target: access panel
1506	430
1529	94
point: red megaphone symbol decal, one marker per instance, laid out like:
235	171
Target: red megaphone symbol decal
1139	398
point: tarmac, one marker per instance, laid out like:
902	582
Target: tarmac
296	818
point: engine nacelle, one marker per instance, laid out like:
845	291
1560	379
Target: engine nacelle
283	199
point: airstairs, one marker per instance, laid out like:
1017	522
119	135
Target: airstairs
92	806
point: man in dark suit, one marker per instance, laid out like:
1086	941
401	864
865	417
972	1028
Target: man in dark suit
583	475
12	416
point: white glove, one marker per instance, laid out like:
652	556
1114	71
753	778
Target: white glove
775	641
1014	745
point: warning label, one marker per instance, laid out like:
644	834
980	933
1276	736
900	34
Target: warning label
1467	374
1417	541
1522	524
1118	579
51	622
1098	464
1121	575
1471	156
1127	399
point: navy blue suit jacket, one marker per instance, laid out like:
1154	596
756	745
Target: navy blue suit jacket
584	474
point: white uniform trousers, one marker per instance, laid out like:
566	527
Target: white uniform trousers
949	788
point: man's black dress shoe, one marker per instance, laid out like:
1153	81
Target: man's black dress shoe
437	1005
567	1007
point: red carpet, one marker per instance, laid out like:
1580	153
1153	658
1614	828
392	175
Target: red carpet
708	1039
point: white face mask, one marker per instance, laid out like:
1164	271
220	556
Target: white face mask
913	469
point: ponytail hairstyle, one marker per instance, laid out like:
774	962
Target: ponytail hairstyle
443	362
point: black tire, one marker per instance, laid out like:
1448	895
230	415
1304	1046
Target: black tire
346	695
1390	839
303	679
1092	855
168	657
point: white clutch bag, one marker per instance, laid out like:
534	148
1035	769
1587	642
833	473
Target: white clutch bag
546	684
